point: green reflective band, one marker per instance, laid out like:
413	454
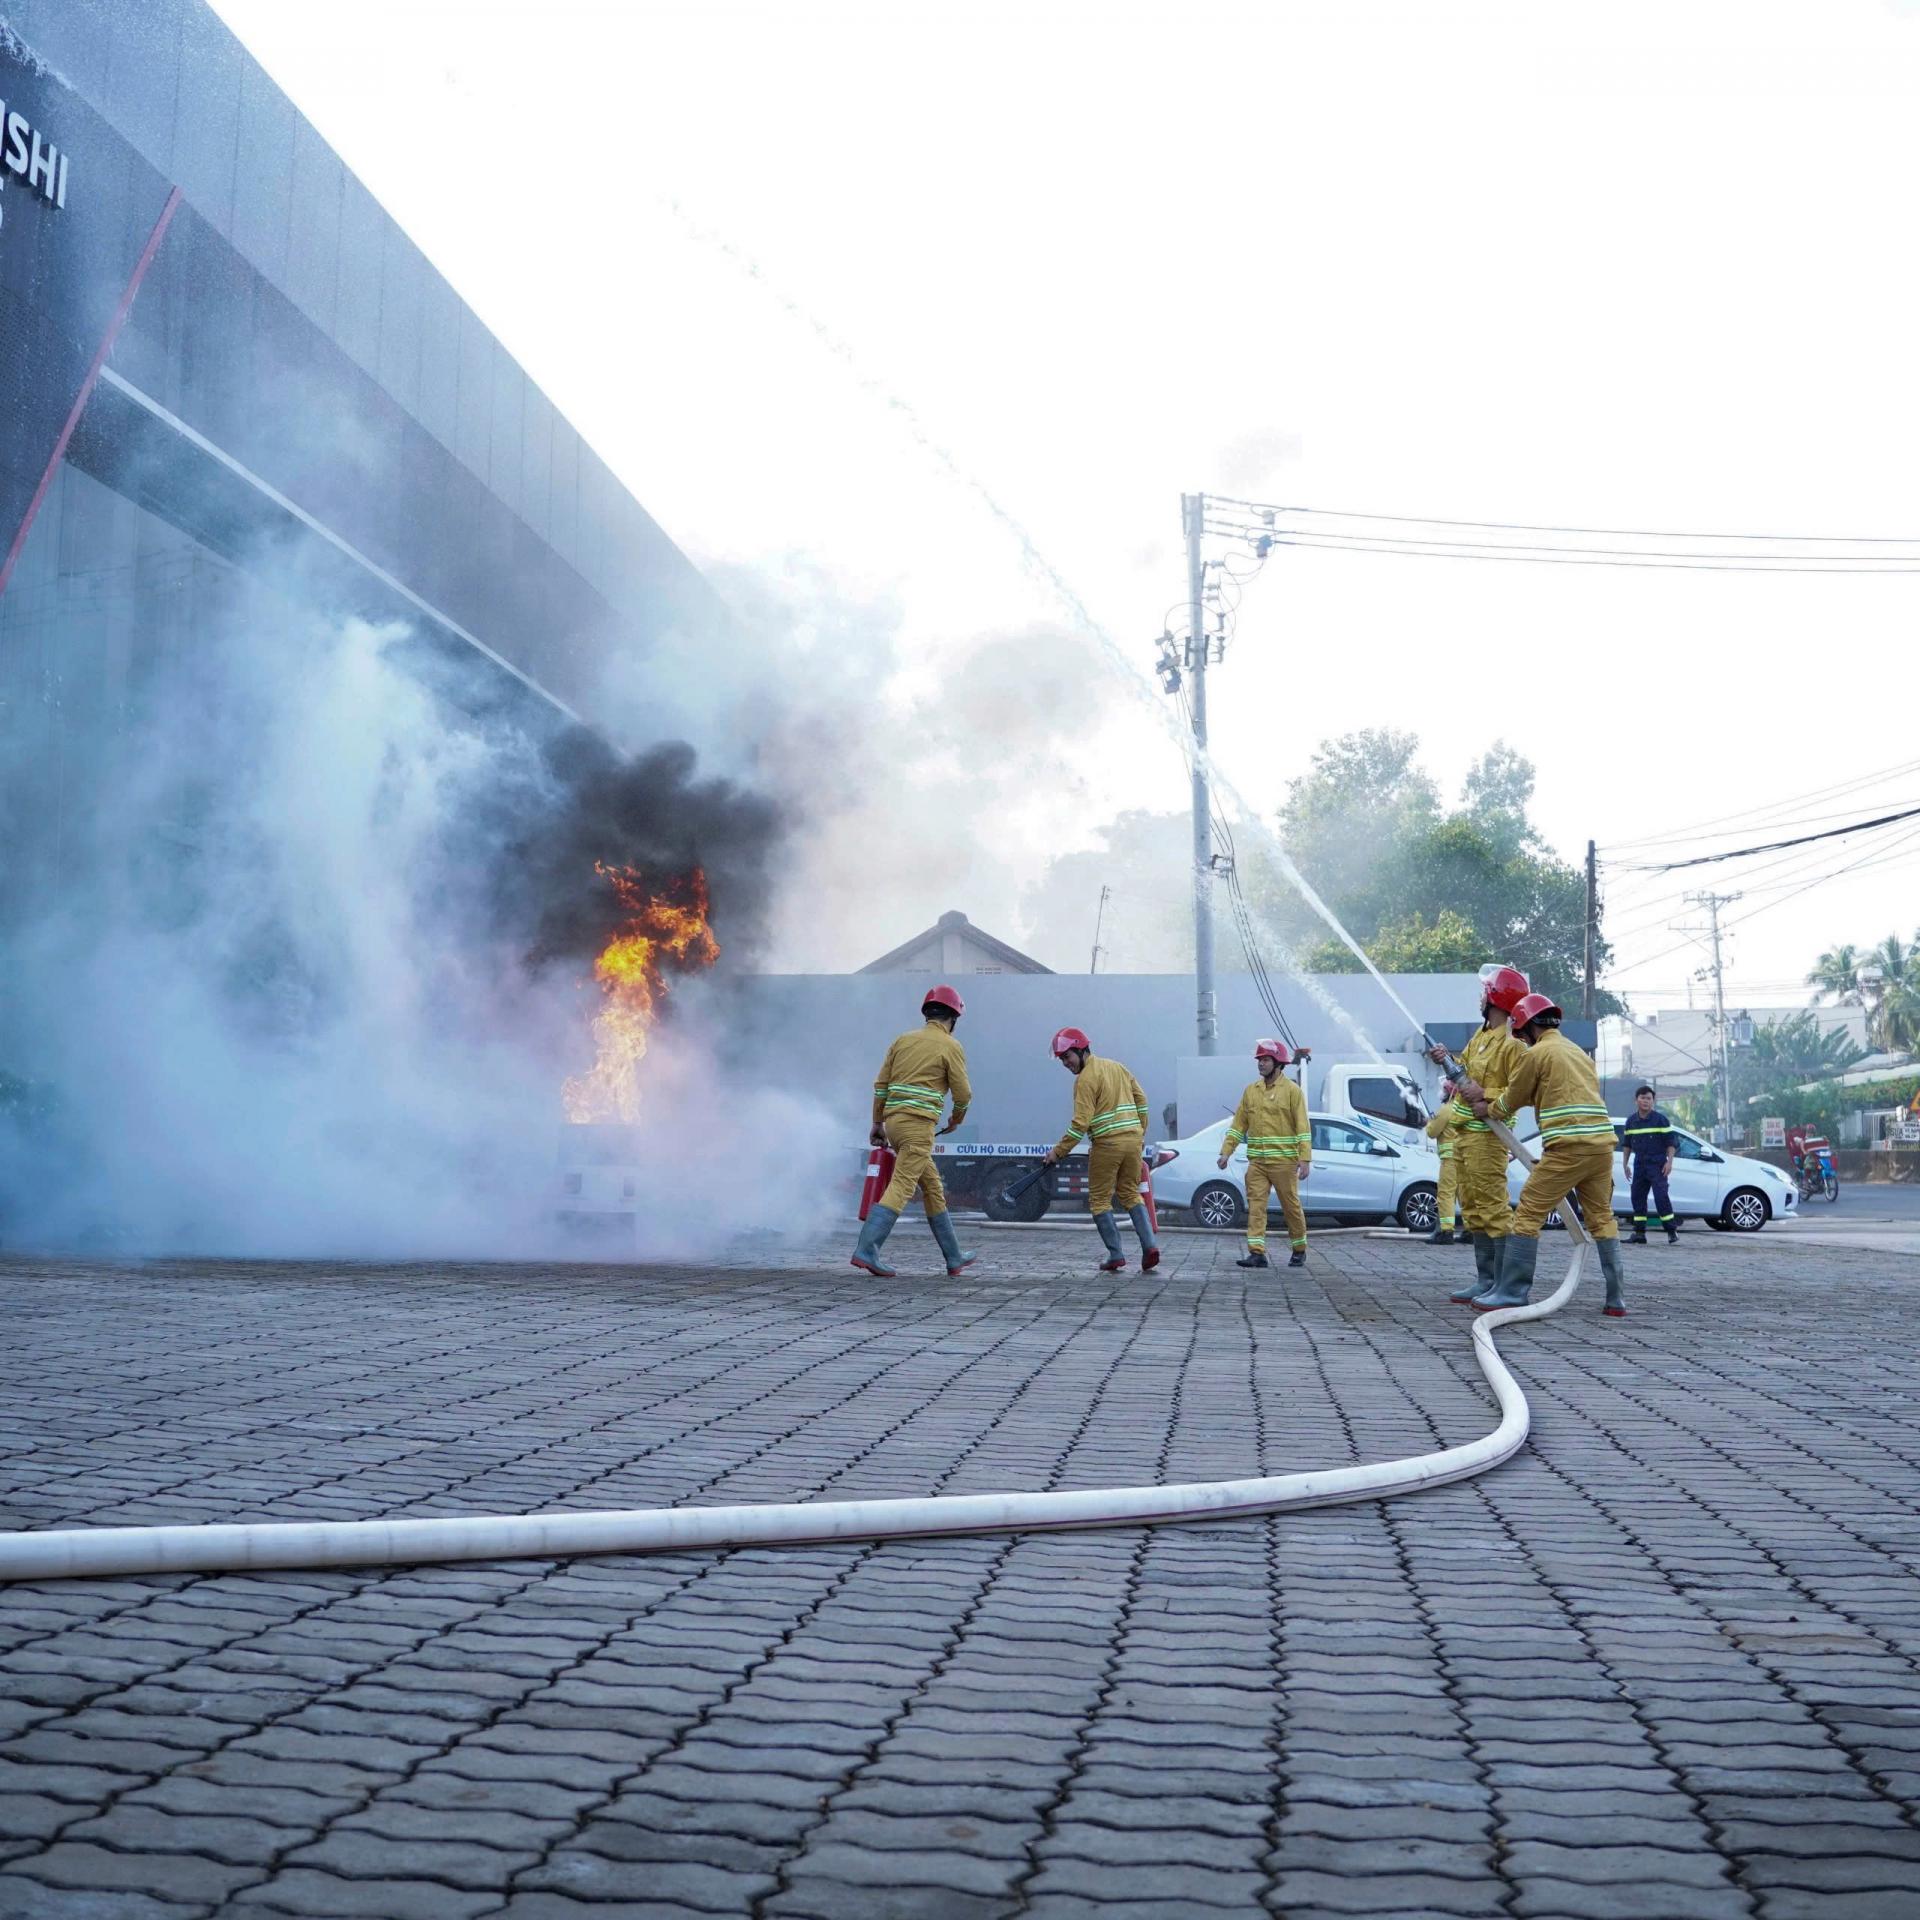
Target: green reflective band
922	1099
1128	1119
1553	1112
1636	1133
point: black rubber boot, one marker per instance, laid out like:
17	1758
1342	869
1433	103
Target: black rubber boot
958	1259
1143	1231
1486	1270
1638	1237
873	1234
1298	1257
1116	1261
1440	1237
1518	1253
1253	1257
1673	1234
1609	1251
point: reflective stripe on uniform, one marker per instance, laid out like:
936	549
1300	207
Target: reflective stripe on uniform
1575	1123
915	1099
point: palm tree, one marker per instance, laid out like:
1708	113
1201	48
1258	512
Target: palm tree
1891	974
1837	972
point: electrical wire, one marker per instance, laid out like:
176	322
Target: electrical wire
1765	815
1648	562
1613	533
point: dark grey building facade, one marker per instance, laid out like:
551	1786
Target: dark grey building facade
216	350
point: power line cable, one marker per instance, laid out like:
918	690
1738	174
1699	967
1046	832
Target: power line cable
1774	846
1616	533
1648	562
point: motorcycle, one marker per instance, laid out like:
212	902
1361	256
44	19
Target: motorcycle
1818	1179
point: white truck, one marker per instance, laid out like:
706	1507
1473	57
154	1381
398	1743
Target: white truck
1389	1094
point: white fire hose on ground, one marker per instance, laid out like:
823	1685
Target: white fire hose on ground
96	1552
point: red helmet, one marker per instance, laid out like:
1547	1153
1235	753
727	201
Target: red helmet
943	997
1067	1039
1503	987
1531	1008
1273	1050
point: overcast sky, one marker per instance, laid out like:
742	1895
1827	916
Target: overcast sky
1643	266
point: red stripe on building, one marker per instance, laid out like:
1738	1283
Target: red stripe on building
87	385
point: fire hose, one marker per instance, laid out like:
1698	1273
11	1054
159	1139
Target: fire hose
98	1552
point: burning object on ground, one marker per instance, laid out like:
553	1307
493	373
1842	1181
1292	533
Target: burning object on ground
663	931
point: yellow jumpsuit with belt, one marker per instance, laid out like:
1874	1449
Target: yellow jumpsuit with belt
1558	1081
920	1070
1490	1058
1272	1119
1440	1130
1110	1113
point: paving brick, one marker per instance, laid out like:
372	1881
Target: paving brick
1678	1633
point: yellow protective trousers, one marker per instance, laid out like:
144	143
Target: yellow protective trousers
1113	1171
910	1135
1582	1167
1482	1164
1281	1177
1448	1199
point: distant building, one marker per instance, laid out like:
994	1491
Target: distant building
953	945
1672	1047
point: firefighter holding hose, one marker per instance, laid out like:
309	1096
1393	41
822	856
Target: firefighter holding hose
1558	1081
1489	1059
921	1069
1110	1112
1272	1119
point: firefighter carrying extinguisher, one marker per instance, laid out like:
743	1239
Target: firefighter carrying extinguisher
1110	1109
921	1069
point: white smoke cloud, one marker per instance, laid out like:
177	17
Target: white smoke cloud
271	1013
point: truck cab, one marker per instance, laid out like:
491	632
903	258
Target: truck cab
1383	1093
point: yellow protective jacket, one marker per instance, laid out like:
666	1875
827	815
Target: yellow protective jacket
1558	1081
1490	1058
1106	1099
1440	1130
1272	1119
920	1070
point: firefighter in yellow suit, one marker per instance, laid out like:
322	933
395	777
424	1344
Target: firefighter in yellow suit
1558	1081
1489	1058
1440	1130
1272	1119
1110	1113
921	1069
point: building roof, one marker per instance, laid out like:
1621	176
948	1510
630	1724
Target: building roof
953	944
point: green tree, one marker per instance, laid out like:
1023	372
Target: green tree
1837	974
1446	944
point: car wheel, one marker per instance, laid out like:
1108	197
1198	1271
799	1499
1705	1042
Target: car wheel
1032	1205
1217	1205
1747	1210
1419	1210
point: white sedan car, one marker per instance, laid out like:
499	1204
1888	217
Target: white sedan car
1731	1193
1359	1178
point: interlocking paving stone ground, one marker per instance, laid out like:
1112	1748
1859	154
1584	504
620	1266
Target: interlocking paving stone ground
1665	1664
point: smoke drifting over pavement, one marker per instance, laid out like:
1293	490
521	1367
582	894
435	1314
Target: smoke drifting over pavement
314	978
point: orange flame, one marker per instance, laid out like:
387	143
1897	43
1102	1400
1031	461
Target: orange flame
664	929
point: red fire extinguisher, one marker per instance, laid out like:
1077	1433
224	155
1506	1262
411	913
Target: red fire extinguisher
879	1178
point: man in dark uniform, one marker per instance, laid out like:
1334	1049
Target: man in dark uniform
1648	1143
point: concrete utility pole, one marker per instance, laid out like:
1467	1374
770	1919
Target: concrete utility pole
1593	931
1193	513
1713	902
